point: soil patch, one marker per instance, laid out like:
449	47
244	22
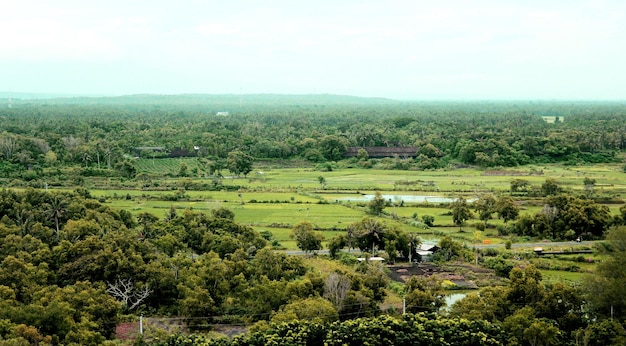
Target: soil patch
464	275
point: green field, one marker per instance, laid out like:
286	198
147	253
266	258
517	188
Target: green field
276	198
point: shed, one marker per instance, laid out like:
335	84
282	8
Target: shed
425	256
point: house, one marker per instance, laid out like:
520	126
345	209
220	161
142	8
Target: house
425	252
380	152
222	114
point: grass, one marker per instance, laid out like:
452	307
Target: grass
277	198
552	276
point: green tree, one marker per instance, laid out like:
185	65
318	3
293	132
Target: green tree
239	162
377	204
369	233
506	209
335	244
449	249
333	147
604	332
182	171
519	185
460	212
550	187
424	294
307	239
56	210
315	309
127	169
428	220
322	182
606	285
485	206
362	155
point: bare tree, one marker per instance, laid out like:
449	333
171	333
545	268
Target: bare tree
125	291
7	147
41	144
336	289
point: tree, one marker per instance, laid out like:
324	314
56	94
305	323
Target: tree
460	212
424	294
369	233
307	239
127	169
125	291
315	309
182	171
333	147
506	209
550	187
450	249
605	332
362	154
377	204
428	220
322	182
239	162
335	244
606	285
336	289
519	185
485	206
56	210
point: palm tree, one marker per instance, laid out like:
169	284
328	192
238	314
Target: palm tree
56	210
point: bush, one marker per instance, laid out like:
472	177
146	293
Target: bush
501	265
429	220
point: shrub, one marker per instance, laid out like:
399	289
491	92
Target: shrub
508	244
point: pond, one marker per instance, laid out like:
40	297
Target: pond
405	198
453	298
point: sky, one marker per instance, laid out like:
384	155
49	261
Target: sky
399	49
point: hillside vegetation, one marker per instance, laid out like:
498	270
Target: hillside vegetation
185	210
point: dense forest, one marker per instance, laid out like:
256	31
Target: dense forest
104	133
73	267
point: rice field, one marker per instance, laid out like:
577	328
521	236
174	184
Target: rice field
276	198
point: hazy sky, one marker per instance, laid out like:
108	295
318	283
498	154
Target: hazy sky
413	49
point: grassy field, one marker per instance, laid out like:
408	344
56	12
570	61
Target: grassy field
276	198
609	177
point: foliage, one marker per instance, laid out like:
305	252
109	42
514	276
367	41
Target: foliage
562	213
377	204
104	133
606	286
239	162
384	330
306	238
530	311
424	294
460	211
485	206
450	249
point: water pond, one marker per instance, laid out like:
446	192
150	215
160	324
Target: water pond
398	198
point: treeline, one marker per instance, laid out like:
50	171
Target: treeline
105	133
